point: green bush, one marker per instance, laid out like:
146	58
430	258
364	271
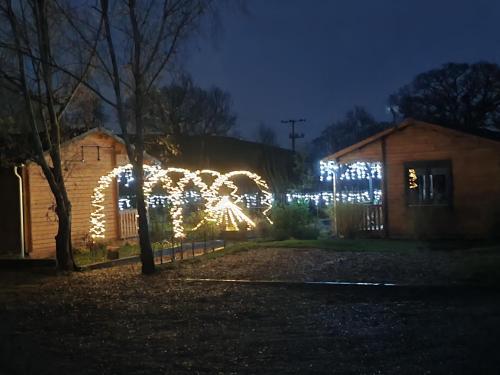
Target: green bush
293	221
263	229
160	227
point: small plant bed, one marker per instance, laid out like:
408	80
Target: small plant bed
101	253
163	252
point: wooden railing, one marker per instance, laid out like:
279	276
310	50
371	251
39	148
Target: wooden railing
128	223
373	219
353	219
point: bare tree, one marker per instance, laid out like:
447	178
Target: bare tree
266	135
35	53
140	41
86	111
183	108
353	127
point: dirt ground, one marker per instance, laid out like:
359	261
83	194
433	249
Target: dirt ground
116	321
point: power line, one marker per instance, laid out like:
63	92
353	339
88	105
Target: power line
293	135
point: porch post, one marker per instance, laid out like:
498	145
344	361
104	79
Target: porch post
334	204
385	203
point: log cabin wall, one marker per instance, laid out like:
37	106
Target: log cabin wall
85	160
369	152
475	172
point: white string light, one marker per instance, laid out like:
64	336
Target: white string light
359	170
327	197
210	193
229	214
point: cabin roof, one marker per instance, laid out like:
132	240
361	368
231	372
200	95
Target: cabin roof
482	133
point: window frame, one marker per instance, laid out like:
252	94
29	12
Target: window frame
428	165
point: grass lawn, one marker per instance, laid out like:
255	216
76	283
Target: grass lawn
364	245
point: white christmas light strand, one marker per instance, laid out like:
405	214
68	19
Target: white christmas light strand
228	213
216	206
225	179
359	170
327	197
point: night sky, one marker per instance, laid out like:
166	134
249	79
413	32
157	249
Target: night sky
317	59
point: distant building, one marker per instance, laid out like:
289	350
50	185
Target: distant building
435	182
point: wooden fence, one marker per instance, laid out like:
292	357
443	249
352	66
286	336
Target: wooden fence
373	219
128	223
354	219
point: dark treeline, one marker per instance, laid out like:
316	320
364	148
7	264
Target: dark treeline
461	96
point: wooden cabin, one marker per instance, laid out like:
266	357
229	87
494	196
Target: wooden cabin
28	224
436	182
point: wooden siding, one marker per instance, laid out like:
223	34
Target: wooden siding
85	161
370	152
475	210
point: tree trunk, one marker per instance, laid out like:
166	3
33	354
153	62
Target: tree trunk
64	253
147	259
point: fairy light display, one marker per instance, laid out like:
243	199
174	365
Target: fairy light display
97	216
230	215
250	200
223	209
355	182
327	170
176	193
359	170
412	178
226	179
219	208
326	198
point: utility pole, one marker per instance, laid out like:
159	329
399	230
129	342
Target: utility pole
293	136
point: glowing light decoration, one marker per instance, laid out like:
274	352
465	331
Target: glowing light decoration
355	182
327	170
412	178
98	217
359	170
225	179
230	215
177	195
218	208
327	197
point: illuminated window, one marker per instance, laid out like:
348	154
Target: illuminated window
428	182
